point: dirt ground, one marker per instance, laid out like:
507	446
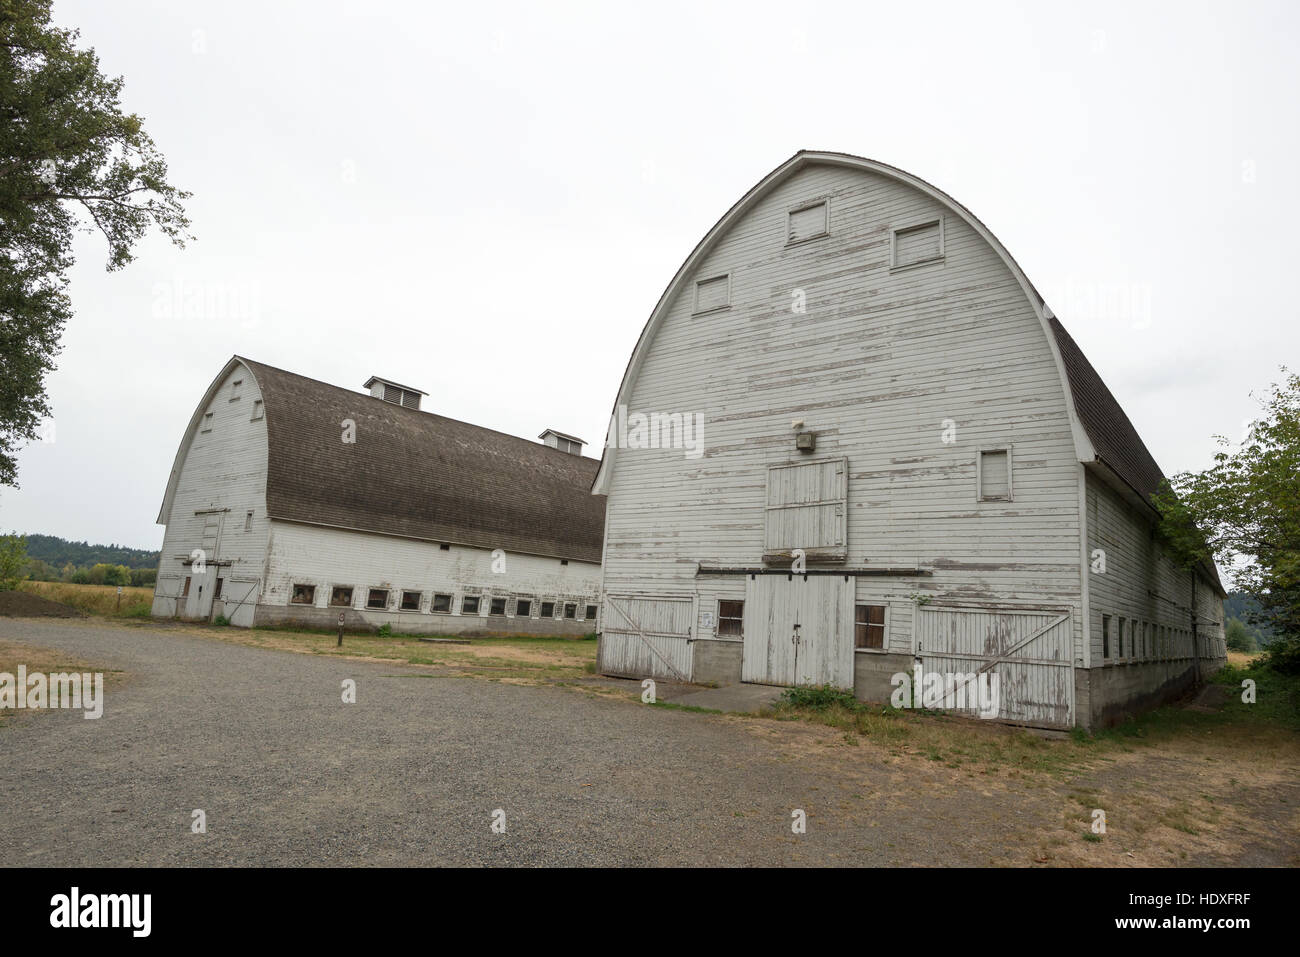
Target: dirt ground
22	604
913	790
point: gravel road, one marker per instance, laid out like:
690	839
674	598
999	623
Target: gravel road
411	774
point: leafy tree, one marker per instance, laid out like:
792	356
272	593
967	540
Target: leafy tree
70	160
1244	511
1238	637
13	560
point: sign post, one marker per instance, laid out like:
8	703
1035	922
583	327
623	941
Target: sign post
340	644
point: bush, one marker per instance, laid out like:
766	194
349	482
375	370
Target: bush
385	630
221	621
819	697
1283	656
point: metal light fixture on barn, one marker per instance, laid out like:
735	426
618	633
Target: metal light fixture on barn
806	441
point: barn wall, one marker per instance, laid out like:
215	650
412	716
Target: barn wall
1143	586
326	557
221	469
881	361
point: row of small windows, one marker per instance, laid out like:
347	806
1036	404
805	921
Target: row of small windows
442	603
1129	639
916	244
868	624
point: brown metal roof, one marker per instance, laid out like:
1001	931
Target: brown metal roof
419	475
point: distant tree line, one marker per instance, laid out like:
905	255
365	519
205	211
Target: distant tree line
53	559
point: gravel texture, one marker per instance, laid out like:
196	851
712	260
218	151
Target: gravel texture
411	774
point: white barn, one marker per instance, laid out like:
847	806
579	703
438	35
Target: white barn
292	501
879	385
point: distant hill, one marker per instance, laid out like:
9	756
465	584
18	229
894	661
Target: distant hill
1239	605
59	552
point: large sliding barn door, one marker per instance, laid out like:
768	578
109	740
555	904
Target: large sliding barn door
1029	651
798	630
647	637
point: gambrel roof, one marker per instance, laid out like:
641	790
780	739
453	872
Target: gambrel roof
415	474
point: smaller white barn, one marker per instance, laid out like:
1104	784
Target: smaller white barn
292	501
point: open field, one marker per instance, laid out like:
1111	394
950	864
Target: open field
96	599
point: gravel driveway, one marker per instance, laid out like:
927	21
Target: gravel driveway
411	773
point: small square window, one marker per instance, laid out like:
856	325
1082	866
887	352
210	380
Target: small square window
257	410
341	596
497	606
913	245
548	609
731	619
235	387
207	422
591	613
564	561
995	475
809	221
469	605
442	604
377	598
410	601
713	293
303	594
444	547
869	626
570	610
523	608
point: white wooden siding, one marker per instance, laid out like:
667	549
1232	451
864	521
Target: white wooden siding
222	478
325	557
1141	584
876	365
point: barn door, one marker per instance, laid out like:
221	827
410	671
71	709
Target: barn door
647	637
798	630
1028	650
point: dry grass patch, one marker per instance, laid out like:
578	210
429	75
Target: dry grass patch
135	602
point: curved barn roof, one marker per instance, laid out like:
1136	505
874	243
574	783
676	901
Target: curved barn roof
418	475
1102	431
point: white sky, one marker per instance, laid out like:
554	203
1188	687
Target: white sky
486	200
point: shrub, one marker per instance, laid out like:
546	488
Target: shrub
385	630
1284	656
819	697
13	560
221	621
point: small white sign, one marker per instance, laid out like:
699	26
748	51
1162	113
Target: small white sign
708	619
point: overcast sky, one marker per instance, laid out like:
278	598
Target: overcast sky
485	201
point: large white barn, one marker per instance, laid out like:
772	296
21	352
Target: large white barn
877	384
295	501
